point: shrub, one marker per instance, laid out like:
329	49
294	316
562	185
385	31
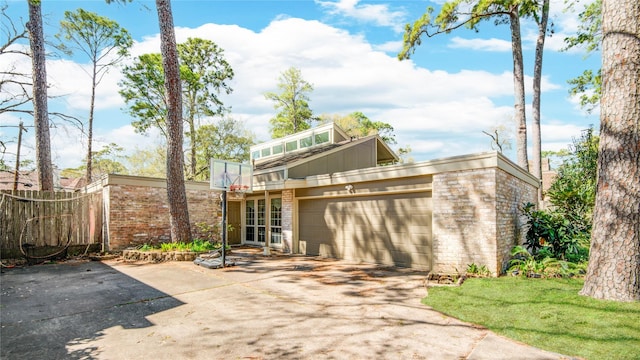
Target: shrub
478	271
197	245
525	264
147	247
574	189
551	234
210	232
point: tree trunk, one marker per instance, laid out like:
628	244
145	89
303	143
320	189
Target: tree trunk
537	77
176	192
614	262
40	108
90	125
193	153
518	89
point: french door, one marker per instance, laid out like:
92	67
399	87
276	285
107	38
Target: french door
256	221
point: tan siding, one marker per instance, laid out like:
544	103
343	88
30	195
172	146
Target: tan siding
357	157
387	229
392	184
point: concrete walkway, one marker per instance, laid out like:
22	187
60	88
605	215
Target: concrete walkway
264	308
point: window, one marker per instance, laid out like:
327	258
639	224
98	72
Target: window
291	145
256	221
276	221
322	137
306	142
250	215
266	152
261	221
277	149
255	155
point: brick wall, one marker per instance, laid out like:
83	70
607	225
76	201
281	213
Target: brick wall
476	218
512	193
463	211
287	221
139	213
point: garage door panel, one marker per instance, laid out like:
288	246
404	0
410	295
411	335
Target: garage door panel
394	230
388	257
402	242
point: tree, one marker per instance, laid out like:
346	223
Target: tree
204	73
104	42
614	262
227	139
40	108
455	14
358	124
204	79
541	20
292	103
500	138
176	191
15	86
148	162
104	161
573	191
589	35
403	154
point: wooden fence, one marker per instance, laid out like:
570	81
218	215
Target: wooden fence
41	223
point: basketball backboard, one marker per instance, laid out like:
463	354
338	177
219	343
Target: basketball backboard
229	175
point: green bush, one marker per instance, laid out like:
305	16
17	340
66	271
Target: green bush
147	247
573	192
552	234
197	245
523	263
478	271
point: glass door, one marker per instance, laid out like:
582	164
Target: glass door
276	221
261	215
250	221
256	221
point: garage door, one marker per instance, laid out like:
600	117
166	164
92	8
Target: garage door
392	229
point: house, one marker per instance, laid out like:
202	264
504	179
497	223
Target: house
28	180
321	192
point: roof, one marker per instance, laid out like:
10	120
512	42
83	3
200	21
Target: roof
290	158
383	152
28	180
329	133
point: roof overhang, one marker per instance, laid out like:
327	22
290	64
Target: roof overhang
491	159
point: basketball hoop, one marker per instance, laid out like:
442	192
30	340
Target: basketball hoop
231	177
238	190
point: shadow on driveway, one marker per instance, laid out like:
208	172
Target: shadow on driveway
277	307
47	310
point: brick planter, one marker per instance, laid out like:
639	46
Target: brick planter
159	256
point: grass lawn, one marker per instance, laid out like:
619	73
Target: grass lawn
545	313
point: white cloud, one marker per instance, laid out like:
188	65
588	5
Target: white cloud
492	44
389	46
437	113
376	14
558	136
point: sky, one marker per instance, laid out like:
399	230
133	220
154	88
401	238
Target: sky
439	102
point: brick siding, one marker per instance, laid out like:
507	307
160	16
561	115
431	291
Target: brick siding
287	221
476	218
139	215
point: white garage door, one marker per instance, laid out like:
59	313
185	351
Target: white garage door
392	229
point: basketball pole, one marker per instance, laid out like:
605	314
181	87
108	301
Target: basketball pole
224	227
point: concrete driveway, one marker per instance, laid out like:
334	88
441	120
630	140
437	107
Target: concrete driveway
275	307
